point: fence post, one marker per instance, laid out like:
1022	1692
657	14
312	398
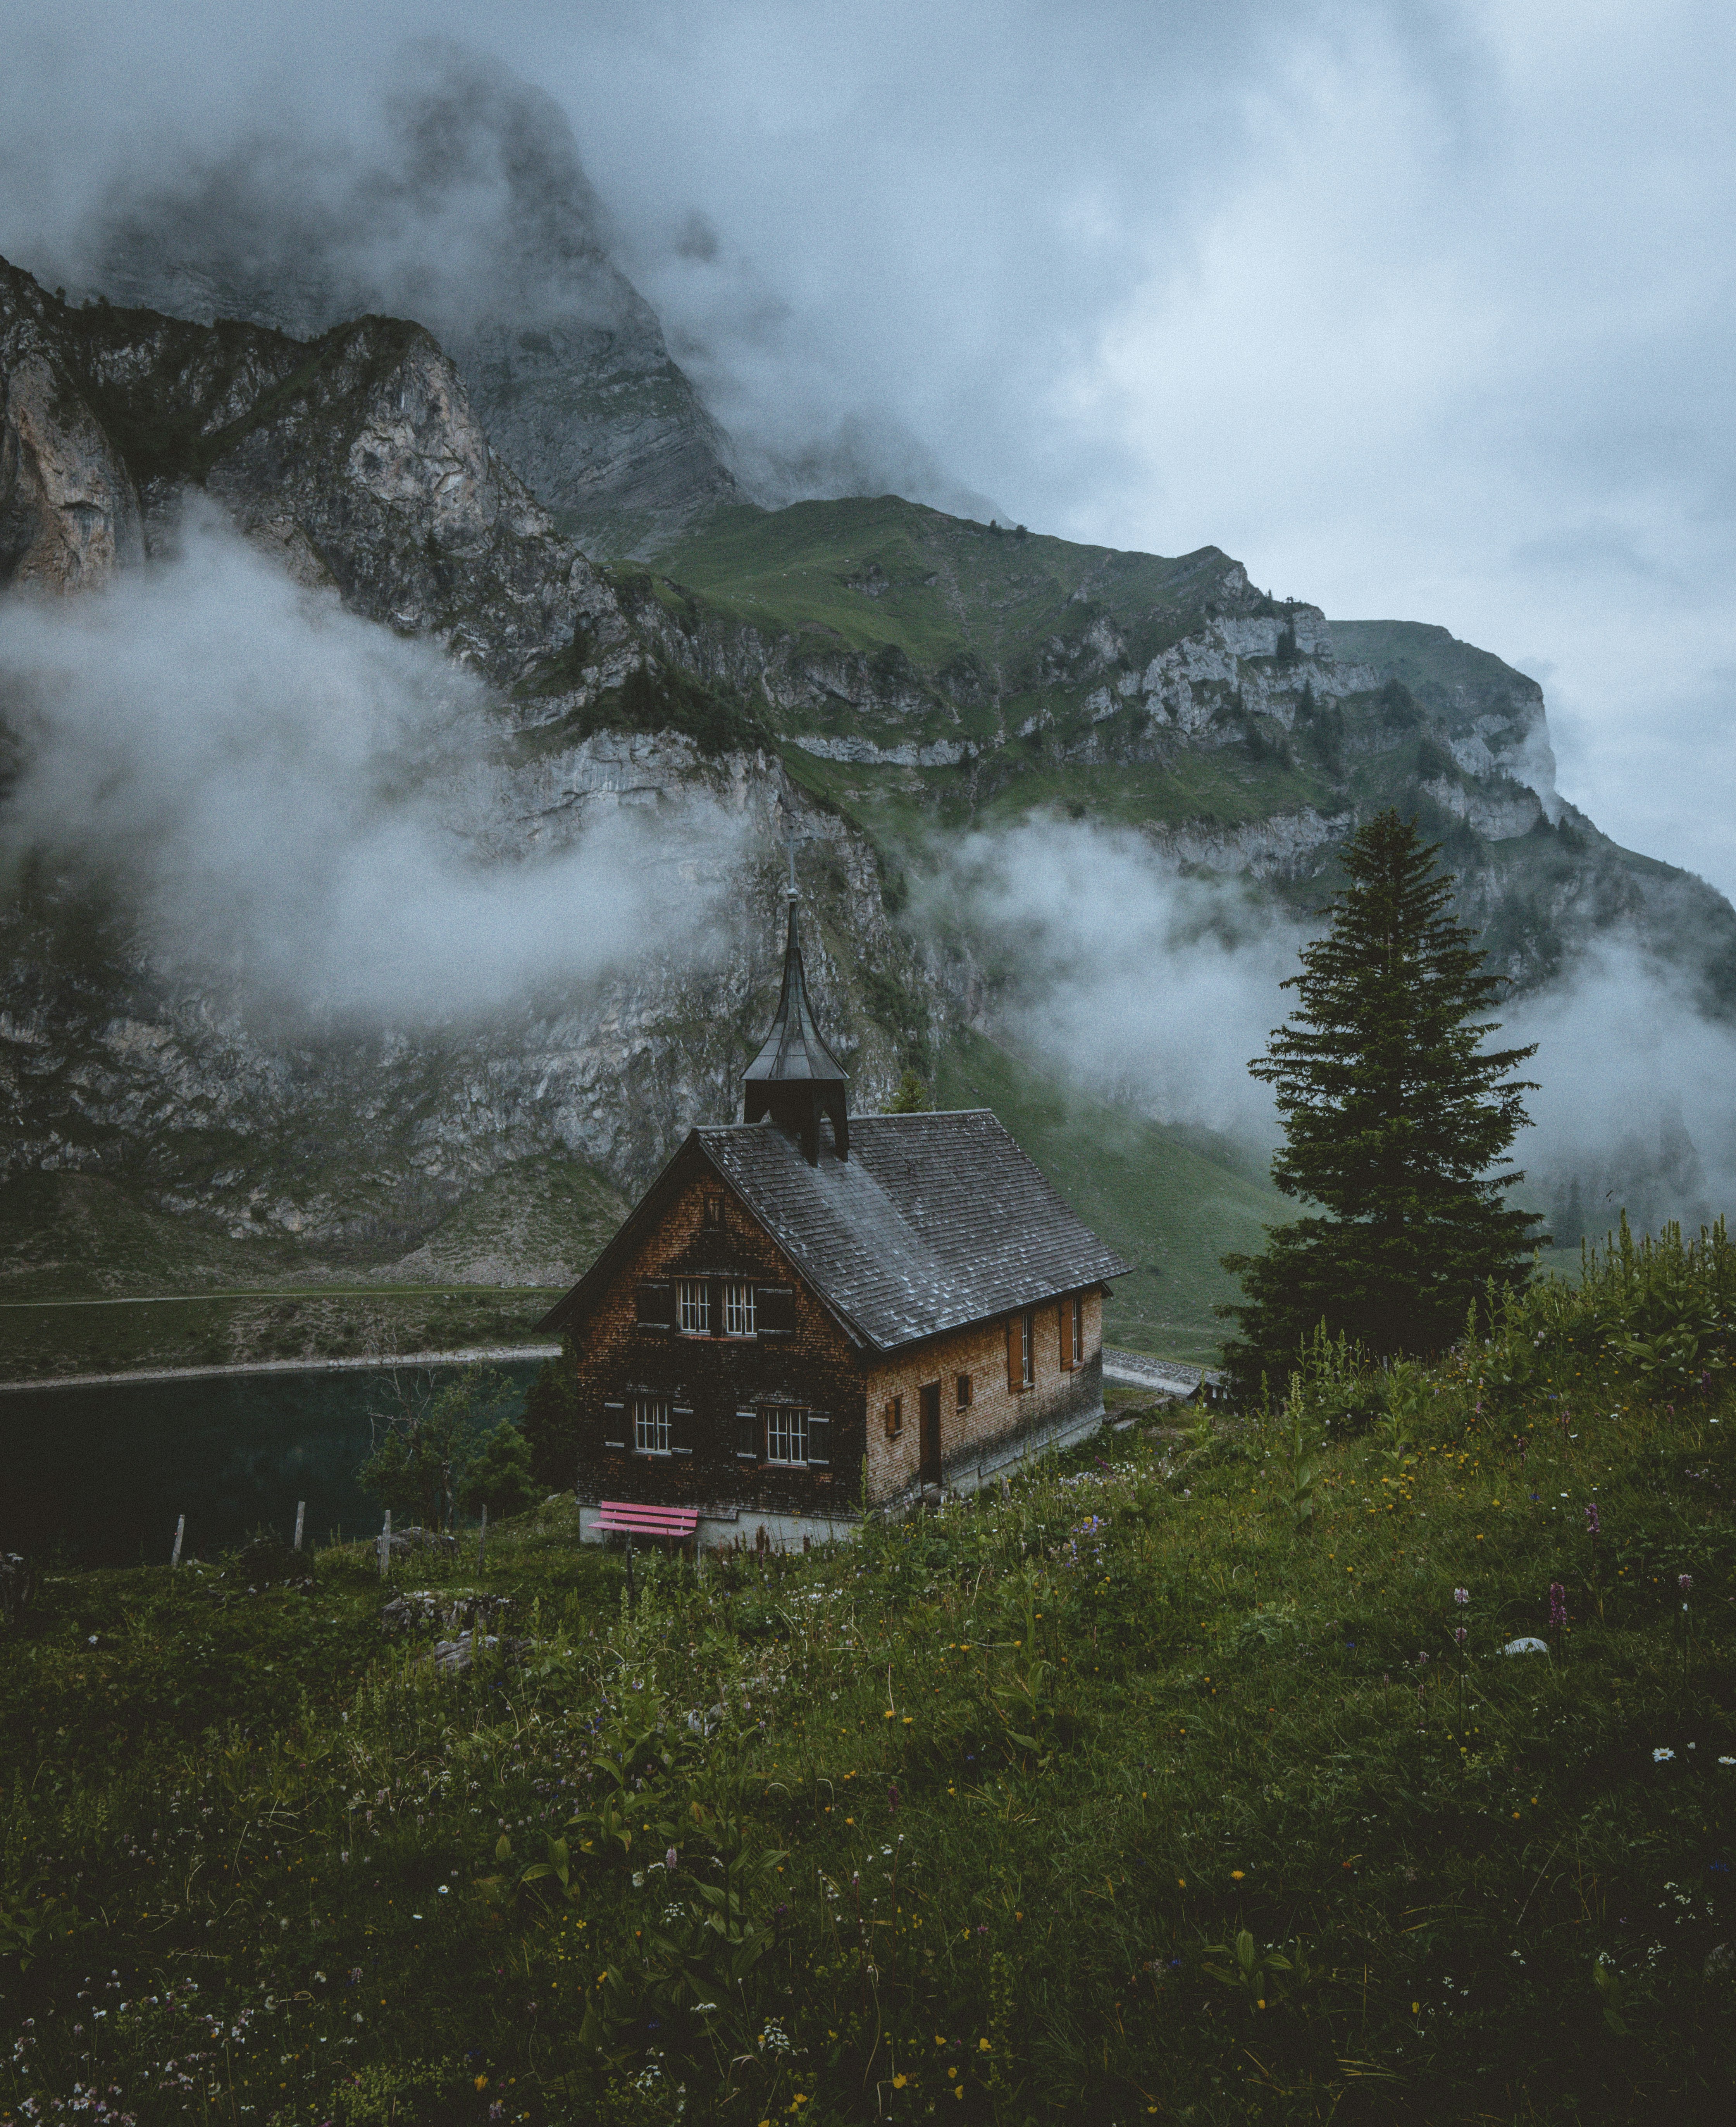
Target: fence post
180	1532
385	1544
301	1511
482	1540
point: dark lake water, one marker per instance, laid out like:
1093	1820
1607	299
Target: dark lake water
99	1475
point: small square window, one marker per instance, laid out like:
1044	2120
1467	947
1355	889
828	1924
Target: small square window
894	1417
693	1306
651	1427
786	1435
738	1310
964	1392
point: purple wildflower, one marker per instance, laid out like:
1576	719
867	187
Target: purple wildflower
1684	1581
1461	1595
671	1860
1558	1604
1591	1522
1461	1636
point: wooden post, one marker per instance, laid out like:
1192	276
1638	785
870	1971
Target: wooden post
301	1511
385	1544
482	1540
180	1532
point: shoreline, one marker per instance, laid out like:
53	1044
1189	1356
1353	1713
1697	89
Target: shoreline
376	1364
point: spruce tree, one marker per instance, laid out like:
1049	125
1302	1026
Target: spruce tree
1395	1117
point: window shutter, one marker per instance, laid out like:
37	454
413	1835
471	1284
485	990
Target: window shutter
818	1439
1066	1336
776	1309
656	1304
747	1436
681	1428
614	1425
1015	1353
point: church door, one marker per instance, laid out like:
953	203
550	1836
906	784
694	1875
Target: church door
931	1434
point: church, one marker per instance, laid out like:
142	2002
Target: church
809	1314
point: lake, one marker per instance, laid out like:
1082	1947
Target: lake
98	1476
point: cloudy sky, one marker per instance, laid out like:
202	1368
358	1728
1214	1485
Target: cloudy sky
1421	310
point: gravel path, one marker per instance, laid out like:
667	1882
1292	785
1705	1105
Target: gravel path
1170	1377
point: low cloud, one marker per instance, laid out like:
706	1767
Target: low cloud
1141	985
316	816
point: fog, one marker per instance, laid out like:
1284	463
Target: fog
1419	307
313	814
1137	985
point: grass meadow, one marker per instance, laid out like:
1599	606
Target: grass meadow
1183	1778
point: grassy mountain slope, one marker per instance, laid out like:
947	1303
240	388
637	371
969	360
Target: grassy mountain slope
1171	1211
541	1221
1446	1884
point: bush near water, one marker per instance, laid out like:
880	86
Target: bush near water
1161	1785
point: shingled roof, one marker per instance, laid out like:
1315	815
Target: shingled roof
933	1220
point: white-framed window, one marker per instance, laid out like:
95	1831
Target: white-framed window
693	1306
651	1426
786	1434
738	1310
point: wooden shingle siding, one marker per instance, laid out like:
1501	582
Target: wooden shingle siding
857	1271
716	1385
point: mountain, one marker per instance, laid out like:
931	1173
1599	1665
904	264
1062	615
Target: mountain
470	211
927	671
868	676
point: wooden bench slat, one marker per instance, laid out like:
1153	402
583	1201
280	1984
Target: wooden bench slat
627	1517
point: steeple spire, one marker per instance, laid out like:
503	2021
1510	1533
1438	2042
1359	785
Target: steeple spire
794	1079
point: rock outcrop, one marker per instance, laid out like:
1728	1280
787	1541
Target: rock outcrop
69	513
472	214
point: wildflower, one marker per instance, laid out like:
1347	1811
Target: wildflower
1660	1757
1558	1604
1684	1581
1461	1595
1461	1636
669	1860
1593	1526
1237	1874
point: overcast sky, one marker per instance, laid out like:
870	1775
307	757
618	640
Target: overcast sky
1421	310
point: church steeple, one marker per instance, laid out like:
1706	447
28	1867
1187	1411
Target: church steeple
794	1079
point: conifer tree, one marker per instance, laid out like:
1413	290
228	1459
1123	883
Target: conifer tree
1395	1116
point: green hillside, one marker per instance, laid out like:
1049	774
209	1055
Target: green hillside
1009	664
1169	1208
888	575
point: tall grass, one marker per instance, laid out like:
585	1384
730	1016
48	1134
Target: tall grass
1158	1785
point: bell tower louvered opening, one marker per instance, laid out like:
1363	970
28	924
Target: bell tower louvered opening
795	1080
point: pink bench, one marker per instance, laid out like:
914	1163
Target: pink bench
622	1517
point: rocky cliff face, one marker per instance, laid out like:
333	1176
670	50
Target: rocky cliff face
362	1139
865	676
472	214
357	462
